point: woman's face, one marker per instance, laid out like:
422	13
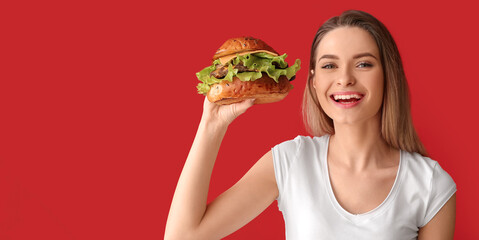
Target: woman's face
348	78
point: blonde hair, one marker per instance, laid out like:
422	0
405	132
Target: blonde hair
397	128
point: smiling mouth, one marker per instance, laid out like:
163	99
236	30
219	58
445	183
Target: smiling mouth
346	99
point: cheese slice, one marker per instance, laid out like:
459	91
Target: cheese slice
228	58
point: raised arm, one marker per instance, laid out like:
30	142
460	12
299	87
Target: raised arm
190	217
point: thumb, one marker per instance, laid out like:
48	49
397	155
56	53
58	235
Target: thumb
241	107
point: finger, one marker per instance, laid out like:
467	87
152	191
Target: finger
241	107
206	101
207	104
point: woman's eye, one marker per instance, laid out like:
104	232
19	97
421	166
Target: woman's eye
328	66
364	64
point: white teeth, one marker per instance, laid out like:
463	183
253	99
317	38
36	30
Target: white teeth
337	97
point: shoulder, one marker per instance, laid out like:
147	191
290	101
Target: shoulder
429	180
289	152
418	165
293	143
299	144
289	160
299	140
427	169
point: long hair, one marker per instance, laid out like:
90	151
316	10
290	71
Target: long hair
397	128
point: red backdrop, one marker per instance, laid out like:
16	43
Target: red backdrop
99	105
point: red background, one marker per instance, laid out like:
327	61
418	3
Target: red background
99	105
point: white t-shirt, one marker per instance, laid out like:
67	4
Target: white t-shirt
311	211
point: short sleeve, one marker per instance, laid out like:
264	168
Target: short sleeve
284	155
442	188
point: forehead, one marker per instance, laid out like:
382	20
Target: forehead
345	42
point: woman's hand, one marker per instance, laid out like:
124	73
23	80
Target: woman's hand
224	114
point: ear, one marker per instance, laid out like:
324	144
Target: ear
312	74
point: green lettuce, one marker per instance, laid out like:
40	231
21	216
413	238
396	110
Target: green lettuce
261	62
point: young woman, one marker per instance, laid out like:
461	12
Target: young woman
365	174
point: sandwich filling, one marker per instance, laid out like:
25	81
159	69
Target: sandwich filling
248	67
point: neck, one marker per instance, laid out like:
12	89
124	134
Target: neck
359	146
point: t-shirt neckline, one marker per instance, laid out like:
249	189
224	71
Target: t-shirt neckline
370	214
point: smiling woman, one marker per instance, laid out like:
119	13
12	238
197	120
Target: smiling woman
363	175
397	128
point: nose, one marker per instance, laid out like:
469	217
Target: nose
346	78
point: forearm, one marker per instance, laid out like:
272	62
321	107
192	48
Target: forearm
190	198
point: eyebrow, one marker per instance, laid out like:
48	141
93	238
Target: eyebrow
360	55
366	54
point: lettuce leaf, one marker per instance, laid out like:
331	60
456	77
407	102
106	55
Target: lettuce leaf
261	62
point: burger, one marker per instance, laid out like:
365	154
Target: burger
244	68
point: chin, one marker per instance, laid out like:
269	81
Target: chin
356	120
347	121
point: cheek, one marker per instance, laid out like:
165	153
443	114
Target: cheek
320	88
377	87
